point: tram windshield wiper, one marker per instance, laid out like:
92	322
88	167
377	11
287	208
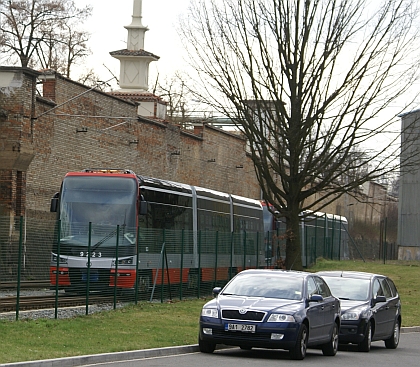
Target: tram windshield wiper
106	238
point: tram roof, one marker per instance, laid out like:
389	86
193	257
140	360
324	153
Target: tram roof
201	191
164	184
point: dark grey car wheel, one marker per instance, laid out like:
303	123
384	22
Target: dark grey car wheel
393	341
330	348
364	345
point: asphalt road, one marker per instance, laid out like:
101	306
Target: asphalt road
406	355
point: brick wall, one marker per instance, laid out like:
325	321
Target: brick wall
71	133
70	128
17	95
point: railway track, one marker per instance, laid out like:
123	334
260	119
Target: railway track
27	284
8	304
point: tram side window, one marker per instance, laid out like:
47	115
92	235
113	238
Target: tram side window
214	229
171	217
213	221
169	213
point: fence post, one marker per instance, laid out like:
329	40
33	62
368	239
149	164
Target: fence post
19	267
314	254
116	266
216	259
385	245
305	236
339	239
57	271
88	267
199	266
244	250
332	237
136	284
231	256
258	250
268	255
325	235
181	280
162	280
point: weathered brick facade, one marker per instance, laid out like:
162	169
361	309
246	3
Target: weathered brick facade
71	128
67	127
17	108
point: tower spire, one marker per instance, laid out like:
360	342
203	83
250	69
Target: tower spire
134	60
136	30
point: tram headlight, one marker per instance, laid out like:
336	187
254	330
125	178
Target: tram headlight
63	260
124	261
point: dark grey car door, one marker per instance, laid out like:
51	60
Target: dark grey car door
381	311
391	307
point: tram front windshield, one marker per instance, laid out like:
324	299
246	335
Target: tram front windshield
105	202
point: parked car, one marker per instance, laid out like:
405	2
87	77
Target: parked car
370	308
272	309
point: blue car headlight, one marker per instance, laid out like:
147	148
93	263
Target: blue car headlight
210	312
279	317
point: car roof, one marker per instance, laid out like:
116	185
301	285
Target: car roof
277	272
349	274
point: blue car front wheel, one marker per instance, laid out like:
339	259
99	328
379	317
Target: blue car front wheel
299	350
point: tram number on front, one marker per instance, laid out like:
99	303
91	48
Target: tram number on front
240	327
93	254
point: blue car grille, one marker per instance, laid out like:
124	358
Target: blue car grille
248	316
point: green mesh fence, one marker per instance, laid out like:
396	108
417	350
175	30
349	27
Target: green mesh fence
91	260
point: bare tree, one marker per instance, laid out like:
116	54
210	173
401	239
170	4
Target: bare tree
91	79
62	49
306	82
175	91
43	33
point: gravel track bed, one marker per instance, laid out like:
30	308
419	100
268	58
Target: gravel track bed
66	312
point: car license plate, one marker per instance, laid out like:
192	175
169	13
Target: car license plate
246	328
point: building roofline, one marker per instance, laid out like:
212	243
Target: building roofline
20	69
409	112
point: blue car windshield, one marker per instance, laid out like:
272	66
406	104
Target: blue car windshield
253	285
104	201
349	288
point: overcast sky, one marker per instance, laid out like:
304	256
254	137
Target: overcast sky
108	34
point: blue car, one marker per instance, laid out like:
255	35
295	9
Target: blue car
273	309
370	306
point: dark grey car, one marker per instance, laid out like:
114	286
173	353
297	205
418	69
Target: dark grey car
370	308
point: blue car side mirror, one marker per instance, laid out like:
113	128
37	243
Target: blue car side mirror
316	298
216	291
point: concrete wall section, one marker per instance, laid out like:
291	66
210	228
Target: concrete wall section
409	198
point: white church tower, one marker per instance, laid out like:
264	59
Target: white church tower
134	69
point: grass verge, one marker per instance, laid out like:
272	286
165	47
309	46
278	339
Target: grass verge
142	326
153	325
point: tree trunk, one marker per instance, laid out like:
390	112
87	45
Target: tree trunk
293	243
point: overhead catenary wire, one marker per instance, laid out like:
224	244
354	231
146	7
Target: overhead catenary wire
72	99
